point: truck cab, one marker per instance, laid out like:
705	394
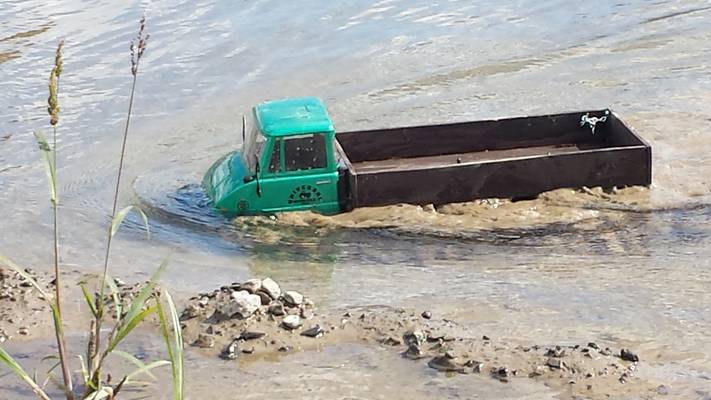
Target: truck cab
287	162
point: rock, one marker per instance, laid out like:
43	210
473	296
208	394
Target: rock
205	341
628	355
276	309
554	363
557	352
251	335
305	313
391	341
502	372
119	283
413	353
308	303
248	351
270	287
445	364
203	301
264	297
593	345
251	285
191	311
662	390
284	349
313	332
484	337
414	338
293	298
291	322
427	314
231	351
241	304
23	331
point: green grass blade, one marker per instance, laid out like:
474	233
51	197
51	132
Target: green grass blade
10	362
89	300
115	295
127	326
16	268
179	361
173	345
49	166
135	361
139	302
146	369
121	215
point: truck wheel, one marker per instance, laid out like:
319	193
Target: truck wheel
242	205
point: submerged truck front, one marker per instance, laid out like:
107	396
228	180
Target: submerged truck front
287	162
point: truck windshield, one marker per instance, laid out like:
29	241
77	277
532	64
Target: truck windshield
253	144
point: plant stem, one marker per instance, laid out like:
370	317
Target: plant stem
59	329
100	309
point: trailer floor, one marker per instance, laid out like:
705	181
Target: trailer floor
398	164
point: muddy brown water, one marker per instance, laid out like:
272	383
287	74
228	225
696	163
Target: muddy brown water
553	270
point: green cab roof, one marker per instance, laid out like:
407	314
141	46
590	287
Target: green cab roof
296	116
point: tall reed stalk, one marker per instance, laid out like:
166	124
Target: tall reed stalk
138	47
53	110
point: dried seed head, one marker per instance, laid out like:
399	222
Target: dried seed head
58	63
138	46
52	102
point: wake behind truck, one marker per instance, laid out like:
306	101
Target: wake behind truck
293	159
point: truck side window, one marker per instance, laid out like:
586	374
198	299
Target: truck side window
276	154
305	152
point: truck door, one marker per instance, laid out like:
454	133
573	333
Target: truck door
300	175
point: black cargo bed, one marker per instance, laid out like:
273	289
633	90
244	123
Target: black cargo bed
506	158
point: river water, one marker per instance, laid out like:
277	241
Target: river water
640	277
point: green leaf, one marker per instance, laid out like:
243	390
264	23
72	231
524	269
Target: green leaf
174	346
89	300
142	367
7	262
121	215
127	326
115	295
49	166
10	362
146	369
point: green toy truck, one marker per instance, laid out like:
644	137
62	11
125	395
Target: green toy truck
292	159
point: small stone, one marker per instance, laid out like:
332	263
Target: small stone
241	305
662	390
313	332
284	349
445	364
251	285
119	282
391	341
248	351
270	287
427	314
266	299
204	301
414	338
305	313
485	338
628	355
291	322
554	363
293	298
251	335
231	351
413	352
347	315
606	352
557	352
23	331
502	372
276	309
205	341
308	303
191	311
593	345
